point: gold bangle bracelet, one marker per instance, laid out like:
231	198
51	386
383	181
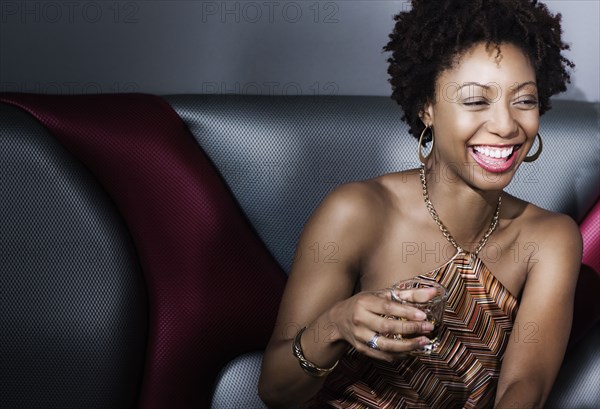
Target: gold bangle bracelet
305	364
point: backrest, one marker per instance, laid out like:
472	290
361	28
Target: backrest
282	155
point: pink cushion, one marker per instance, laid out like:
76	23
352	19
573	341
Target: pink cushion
587	308
213	287
590	231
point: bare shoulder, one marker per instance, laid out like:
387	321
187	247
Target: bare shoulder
357	197
381	190
350	216
330	250
354	205
545	225
553	234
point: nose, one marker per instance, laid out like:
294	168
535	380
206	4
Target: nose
501	121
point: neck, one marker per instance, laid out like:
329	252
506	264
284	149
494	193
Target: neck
465	211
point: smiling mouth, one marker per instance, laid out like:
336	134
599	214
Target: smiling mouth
494	158
493	152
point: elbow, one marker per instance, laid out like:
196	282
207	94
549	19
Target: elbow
265	396
274	398
268	394
264	393
270	400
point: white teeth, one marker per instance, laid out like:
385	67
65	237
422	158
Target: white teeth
494	152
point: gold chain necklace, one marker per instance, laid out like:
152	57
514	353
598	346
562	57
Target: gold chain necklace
443	228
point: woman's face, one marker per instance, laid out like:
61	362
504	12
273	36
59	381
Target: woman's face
485	116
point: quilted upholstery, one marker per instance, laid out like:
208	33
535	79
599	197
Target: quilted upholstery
209	278
169	246
590	232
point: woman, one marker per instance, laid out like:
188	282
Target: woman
472	77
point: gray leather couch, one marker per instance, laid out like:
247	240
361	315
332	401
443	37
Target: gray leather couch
279	156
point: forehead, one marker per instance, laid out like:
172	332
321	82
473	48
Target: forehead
485	66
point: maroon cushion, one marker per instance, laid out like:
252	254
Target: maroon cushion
213	287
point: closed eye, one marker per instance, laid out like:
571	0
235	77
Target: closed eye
527	103
479	102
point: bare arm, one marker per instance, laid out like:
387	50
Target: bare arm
541	332
319	295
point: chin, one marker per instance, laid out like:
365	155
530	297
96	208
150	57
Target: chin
485	180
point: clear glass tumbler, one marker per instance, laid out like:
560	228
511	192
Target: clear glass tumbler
434	307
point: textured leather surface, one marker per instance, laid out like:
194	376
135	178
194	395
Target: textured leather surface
238	383
281	155
271	151
73	307
590	232
209	277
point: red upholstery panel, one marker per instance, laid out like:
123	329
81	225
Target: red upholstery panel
213	286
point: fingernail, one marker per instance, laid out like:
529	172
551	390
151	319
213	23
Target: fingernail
424	341
427	326
420	315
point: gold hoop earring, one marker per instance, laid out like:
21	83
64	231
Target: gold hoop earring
422	158
537	153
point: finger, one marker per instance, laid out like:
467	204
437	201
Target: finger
391	325
403	345
390	348
418	295
380	303
392	308
425	294
362	341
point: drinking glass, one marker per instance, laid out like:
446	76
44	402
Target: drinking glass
434	308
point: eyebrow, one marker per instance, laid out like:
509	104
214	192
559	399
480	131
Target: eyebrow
488	87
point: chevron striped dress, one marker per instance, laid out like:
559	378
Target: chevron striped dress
462	373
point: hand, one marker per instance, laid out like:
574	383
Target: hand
365	314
